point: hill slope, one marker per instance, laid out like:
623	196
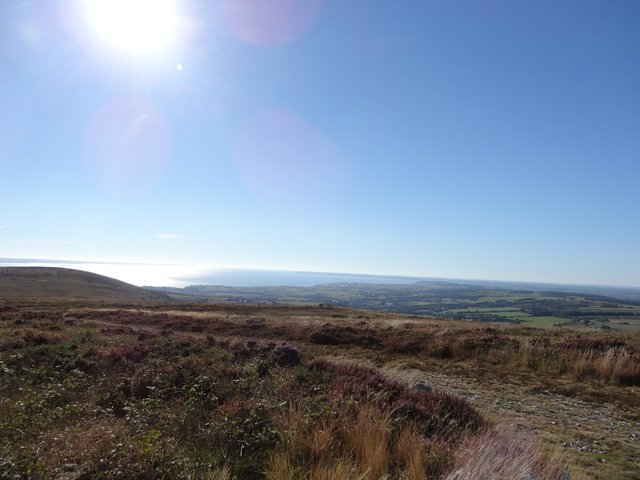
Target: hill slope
48	283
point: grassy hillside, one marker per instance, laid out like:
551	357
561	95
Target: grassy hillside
47	284
147	390
221	394
271	392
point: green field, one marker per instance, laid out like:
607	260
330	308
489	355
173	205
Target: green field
458	301
509	313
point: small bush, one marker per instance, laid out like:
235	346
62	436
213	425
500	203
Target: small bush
435	413
287	355
33	338
331	334
405	347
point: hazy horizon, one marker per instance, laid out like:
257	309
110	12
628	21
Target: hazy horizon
463	140
180	276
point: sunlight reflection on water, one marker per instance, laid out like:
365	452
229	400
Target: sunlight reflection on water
185	275
136	274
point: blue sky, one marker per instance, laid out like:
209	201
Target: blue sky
455	139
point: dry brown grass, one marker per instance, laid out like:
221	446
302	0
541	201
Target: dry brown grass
339	420
411	455
615	363
361	442
611	357
368	437
223	473
497	455
115	394
81	443
334	471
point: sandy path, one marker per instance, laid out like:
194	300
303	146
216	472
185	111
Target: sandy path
602	439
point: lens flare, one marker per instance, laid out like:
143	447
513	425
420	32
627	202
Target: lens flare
287	163
127	146
269	22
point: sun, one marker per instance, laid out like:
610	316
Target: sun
135	26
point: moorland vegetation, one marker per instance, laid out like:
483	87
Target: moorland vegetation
201	391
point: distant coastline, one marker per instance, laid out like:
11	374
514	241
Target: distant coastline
174	275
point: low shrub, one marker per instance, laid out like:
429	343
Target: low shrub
330	334
287	355
434	413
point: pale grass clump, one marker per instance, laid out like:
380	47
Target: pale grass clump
281	468
368	439
609	359
223	473
80	443
364	445
332	449
411	455
531	358
497	455
318	442
340	470
614	363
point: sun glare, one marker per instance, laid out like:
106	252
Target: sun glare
136	26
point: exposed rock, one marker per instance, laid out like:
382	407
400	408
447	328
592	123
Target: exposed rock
423	387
